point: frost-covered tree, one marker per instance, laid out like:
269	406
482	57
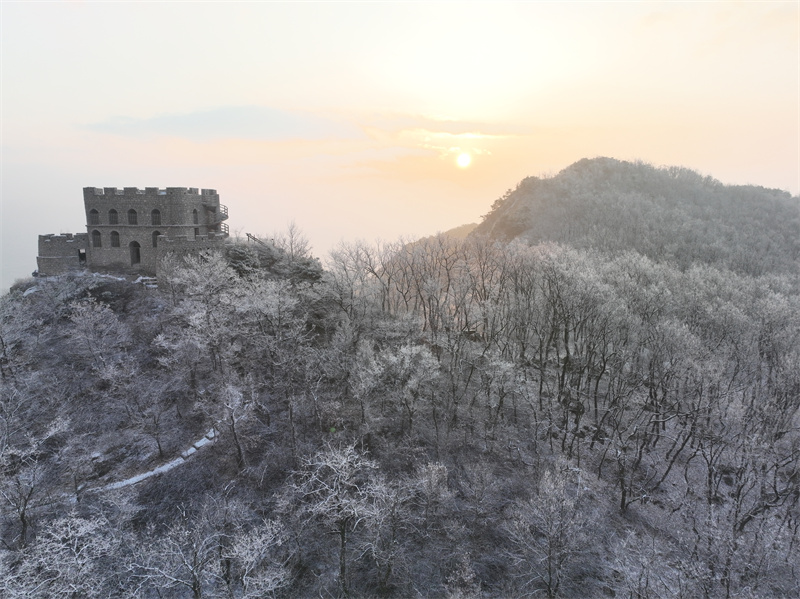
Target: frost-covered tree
73	556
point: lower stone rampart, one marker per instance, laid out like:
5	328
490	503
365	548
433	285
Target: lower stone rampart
61	253
181	246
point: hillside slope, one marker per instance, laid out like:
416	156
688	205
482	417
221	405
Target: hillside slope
667	214
453	417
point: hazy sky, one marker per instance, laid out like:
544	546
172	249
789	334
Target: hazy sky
349	118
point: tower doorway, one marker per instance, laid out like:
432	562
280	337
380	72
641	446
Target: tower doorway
136	256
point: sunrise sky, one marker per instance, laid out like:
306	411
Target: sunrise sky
356	120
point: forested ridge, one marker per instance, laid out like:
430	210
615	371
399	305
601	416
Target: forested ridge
594	394
669	214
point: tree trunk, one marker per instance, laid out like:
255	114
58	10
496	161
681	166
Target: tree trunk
343	558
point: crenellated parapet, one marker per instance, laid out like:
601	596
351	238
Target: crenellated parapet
62	238
152	192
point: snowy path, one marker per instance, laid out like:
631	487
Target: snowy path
185	455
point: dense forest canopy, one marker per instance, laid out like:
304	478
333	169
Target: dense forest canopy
594	394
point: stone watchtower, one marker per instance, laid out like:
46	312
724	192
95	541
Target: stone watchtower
124	228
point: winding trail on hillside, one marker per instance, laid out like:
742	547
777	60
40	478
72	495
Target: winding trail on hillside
210	436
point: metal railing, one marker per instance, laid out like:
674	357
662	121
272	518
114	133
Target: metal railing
252	237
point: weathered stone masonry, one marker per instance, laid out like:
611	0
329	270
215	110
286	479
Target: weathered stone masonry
127	230
60	253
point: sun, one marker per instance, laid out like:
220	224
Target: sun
464	160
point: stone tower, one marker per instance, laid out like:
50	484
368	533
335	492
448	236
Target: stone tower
124	228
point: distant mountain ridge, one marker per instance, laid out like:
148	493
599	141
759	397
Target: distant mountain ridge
668	214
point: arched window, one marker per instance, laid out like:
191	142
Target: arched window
195	219
135	254
113	217
156	235
96	243
155	218
94	217
114	239
132	220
